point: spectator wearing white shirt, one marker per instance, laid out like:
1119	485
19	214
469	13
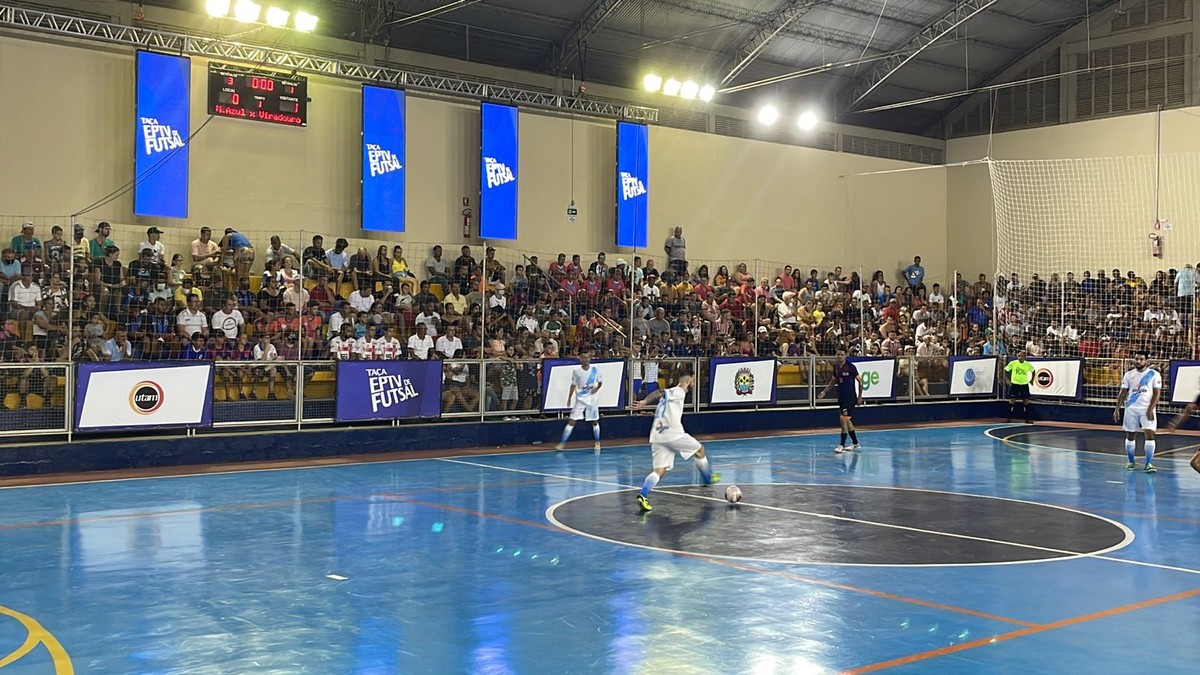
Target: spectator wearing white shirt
497	299
297	295
119	348
265	353
345	316
364	348
362	299
154	244
278	250
192	320
430	319
449	345
528	321
420	344
24	297
337	258
229	319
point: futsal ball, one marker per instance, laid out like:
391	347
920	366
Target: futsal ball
733	494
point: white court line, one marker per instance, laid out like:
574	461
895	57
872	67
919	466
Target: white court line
1008	441
549	449
1064	555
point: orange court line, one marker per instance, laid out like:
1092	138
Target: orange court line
1032	630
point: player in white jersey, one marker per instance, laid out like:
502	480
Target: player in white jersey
387	346
364	349
342	347
585	405
1143	386
667	438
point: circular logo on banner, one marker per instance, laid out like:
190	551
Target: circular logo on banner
145	397
969	377
1043	378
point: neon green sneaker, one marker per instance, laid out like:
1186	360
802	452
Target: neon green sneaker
1131	467
714	479
643	503
1150	469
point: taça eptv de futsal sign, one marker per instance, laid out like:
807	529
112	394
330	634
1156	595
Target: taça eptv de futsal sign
498	171
383	159
633	180
388	390
161	126
110	396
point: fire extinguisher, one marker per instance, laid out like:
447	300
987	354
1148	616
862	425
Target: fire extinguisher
1156	245
466	214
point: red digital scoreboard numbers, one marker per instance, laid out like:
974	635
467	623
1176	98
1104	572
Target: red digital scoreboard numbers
258	96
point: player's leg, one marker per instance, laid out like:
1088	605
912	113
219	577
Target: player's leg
1131	427
1149	427
851	430
700	459
566	434
1025	407
593	416
1012	404
662	461
1196	462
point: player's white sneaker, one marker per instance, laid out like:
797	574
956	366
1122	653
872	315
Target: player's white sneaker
854	447
596	447
839	450
560	447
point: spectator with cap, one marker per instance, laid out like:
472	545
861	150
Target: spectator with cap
186	288
205	252
32	258
24	239
676	249
99	245
153	243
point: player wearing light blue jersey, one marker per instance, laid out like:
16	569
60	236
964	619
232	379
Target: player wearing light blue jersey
585	405
1140	390
667	438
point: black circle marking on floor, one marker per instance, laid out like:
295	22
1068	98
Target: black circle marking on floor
1109	441
842	525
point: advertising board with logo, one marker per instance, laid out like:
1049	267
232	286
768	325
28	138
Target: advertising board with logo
498	173
972	376
741	381
122	395
383	158
633	179
161	123
1056	378
878	377
1184	381
388	390
556	383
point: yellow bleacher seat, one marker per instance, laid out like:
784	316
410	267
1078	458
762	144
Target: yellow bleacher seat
34	401
12	400
255	283
320	386
789	376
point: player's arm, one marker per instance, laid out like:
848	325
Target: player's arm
858	385
650	400
1187	412
596	389
1154	396
1120	403
832	381
571	394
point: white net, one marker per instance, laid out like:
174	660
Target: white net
1078	272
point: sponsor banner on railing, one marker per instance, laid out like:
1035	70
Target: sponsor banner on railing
741	381
972	376
556	383
112	396
1055	378
1185	381
878	377
388	390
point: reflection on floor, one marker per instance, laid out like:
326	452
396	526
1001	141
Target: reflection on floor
932	550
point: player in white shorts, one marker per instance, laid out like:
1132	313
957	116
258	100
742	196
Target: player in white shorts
1143	386
585	405
667	438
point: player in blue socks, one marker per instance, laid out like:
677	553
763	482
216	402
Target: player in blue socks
1140	390
667	438
585	385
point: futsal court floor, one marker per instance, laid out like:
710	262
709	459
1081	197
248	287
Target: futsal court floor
971	548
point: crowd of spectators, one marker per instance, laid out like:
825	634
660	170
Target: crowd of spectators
342	303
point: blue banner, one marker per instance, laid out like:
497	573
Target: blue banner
388	390
383	159
499	131
633	181
161	131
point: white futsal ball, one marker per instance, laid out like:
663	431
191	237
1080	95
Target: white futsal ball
733	494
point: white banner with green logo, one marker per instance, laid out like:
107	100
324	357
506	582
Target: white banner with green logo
878	377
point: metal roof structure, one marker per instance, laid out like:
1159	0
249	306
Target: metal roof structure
854	55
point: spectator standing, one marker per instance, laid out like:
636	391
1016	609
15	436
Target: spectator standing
676	249
914	274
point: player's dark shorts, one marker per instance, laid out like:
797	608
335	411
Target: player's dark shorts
1018	391
846	406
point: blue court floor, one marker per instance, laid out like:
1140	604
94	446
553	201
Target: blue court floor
994	557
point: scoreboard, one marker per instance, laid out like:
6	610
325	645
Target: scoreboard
257	95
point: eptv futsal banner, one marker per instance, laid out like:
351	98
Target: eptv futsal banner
972	376
556	383
388	390
1185	381
498	176
1056	378
741	381
633	180
878	377
161	132
383	159
122	395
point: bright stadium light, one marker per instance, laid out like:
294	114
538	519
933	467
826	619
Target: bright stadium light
807	120
768	114
277	17
652	83
707	92
305	22
671	87
689	90
247	11
217	8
